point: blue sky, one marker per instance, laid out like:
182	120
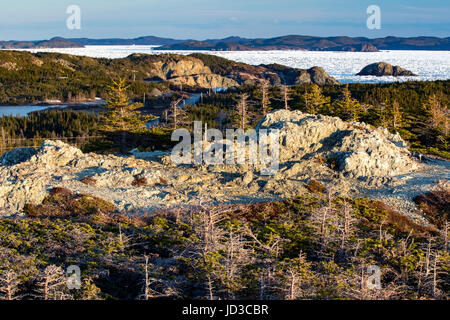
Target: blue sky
200	19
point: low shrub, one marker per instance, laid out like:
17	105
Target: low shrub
315	186
139	182
435	205
89	181
62	202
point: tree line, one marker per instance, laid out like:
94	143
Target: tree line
317	246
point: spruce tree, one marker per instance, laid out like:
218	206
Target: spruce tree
314	99
348	107
122	115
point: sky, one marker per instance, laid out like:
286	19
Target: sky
202	19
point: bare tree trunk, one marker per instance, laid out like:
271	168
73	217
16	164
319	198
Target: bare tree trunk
445	235
242	108
396	114
435	277
3	142
124	134
347	225
428	257
261	287
265	96
147	282
286	97
292	286
174	116
210	288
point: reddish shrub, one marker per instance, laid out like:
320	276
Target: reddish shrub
89	181
315	186
435	205
162	180
60	191
138	182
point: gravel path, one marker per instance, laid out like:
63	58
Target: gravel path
401	193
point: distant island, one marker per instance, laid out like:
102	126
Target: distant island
39	44
289	42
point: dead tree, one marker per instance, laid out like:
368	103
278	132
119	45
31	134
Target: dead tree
147	280
347	225
265	101
51	284
155	287
9	283
286	97
3	143
429	283
175	113
324	218
396	114
203	253
445	234
242	110
438	112
299	278
270	252
237	255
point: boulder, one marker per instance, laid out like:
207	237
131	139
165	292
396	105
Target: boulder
55	153
17	189
16	156
380	69
316	75
155	92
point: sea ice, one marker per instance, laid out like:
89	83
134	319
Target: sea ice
429	65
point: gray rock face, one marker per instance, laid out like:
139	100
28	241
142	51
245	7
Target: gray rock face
293	76
380	69
55	154
16	156
350	150
357	149
26	173
316	75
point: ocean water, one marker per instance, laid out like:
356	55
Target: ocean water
22	110
428	65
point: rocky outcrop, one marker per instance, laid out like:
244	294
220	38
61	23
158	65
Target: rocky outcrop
205	81
380	69
16	156
183	70
315	75
294	76
277	74
350	156
355	149
175	66
24	175
55	154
